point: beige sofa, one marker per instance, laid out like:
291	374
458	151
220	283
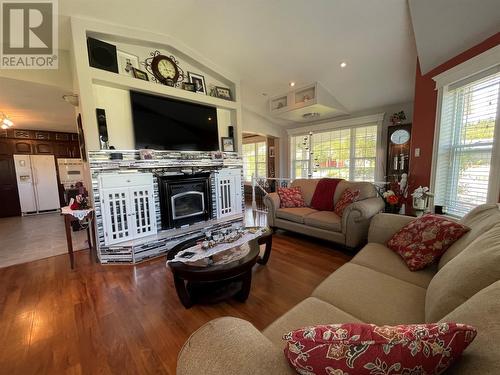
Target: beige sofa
375	287
349	230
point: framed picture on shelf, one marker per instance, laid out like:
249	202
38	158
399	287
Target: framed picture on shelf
199	82
189	86
227	144
140	74
126	61
223	93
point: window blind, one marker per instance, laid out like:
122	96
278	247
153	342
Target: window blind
464	171
348	153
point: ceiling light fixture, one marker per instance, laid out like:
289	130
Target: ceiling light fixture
343	64
292	84
6	121
71	99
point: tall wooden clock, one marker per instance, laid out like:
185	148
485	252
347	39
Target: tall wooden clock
398	151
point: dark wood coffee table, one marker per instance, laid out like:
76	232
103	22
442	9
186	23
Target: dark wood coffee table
207	282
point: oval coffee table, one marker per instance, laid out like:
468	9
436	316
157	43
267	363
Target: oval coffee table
212	279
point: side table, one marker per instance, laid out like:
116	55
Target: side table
86	215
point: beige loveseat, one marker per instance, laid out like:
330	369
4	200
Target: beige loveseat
349	230
375	287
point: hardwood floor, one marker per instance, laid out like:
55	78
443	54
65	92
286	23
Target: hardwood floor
128	320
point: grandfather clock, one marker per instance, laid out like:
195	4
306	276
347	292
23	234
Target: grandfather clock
398	151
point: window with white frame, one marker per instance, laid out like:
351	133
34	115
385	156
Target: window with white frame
348	153
464	172
254	160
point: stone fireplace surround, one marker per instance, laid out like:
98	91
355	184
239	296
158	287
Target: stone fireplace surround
163	163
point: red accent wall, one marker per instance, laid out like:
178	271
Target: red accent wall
424	111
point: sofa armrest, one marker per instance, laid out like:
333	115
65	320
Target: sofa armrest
356	219
230	346
272	202
384	226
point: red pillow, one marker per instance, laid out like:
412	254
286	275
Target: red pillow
291	197
365	349
323	194
348	196
424	240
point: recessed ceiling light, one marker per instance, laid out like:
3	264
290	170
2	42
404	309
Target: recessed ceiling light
343	64
292	84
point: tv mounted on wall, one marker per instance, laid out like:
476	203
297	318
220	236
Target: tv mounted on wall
167	124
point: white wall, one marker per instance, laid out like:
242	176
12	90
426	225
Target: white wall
257	124
116	103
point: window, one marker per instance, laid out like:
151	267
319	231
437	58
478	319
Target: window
349	153
254	160
464	175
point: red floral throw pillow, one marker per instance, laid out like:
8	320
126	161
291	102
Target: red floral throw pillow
291	197
348	196
366	349
425	239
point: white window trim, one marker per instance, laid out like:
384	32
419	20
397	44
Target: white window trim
354	122
477	64
256	163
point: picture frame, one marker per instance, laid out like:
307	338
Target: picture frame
223	93
227	144
126	61
189	86
140	74
199	81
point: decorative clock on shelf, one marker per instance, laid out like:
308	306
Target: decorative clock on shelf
164	69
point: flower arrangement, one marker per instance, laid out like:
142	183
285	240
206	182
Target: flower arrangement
391	197
398	117
80	202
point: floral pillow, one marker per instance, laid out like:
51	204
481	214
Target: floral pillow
424	240
348	196
291	197
366	349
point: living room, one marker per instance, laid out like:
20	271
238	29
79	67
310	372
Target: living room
249	187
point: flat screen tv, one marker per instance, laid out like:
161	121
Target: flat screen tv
167	124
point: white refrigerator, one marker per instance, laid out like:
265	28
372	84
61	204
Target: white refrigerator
37	183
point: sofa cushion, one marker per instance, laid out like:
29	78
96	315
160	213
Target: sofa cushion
322	199
366	189
308	187
476	267
367	349
373	296
324	220
296	214
482	312
348	197
310	311
479	220
424	240
291	197
382	259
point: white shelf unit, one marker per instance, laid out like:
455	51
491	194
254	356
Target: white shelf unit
128	208
312	98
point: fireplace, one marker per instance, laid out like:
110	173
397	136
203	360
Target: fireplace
184	199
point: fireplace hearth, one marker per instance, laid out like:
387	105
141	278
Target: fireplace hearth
184	199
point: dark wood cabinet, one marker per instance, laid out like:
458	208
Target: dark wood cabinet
62	150
22	147
43	148
6	146
398	151
74	150
8	188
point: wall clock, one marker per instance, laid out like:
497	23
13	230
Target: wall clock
165	69
400	136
